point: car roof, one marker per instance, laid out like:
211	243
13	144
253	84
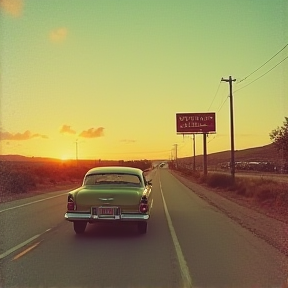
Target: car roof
115	169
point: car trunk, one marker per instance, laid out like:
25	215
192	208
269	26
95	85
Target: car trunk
120	197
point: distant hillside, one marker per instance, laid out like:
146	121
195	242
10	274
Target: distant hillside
24	158
258	154
266	153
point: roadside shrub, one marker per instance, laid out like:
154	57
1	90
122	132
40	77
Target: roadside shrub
201	179
196	175
52	181
16	182
282	195
220	180
186	171
241	188
262	189
267	191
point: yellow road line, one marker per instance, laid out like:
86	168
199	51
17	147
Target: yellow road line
26	251
5	254
25	243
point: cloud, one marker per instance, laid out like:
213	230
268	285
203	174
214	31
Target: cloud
67	129
20	136
12	7
92	133
58	35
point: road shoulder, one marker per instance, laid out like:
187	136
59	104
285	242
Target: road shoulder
265	223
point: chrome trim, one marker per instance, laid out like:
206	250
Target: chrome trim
106	199
70	216
131	217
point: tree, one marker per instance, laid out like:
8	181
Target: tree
279	137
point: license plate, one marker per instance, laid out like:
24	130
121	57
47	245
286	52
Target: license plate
106	211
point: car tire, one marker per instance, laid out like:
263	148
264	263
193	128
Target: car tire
79	226
142	227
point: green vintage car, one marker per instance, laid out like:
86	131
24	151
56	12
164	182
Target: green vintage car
111	194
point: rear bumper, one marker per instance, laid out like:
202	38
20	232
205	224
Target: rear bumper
78	216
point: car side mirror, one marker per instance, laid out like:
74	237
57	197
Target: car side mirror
149	182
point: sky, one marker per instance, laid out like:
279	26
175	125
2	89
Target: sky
104	79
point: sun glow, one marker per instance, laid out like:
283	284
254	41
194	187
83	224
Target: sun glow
64	158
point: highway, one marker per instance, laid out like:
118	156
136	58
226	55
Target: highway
189	243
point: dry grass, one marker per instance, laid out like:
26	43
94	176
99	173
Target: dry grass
259	189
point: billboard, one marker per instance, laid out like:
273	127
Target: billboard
188	123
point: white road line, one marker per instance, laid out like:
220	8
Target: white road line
186	278
33	202
8	252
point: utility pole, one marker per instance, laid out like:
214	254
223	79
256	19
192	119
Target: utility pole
232	164
176	156
76	152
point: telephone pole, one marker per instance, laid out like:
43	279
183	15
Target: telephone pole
232	164
176	164
76	152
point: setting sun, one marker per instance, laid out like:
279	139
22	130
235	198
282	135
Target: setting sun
64	158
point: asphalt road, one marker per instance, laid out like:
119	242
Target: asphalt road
188	244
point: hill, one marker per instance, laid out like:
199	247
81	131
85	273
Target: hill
20	158
267	153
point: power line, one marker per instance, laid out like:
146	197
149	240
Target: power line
262	74
215	95
220	107
263	64
212	139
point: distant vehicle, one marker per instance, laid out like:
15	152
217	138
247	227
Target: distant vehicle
116	194
162	164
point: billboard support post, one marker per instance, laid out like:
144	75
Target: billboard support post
205	153
194	156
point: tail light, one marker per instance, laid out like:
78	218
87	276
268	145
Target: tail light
70	205
143	206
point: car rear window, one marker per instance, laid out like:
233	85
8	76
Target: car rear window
112	178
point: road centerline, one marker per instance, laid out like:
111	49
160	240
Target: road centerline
17	247
26	251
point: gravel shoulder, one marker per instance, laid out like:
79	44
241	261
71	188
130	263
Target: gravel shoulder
266	222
